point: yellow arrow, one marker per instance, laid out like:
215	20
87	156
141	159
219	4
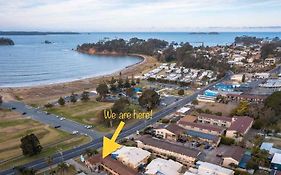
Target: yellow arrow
109	145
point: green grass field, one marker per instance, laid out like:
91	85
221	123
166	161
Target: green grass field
13	127
82	112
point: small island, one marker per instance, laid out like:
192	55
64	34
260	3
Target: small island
6	42
47	42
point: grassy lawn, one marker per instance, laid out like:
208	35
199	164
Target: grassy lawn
217	107
82	112
13	127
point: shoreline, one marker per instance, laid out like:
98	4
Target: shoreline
40	94
63	81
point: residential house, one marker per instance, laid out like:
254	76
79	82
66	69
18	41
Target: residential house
131	156
166	149
170	132
162	166
216	120
239	127
201	127
233	156
109	165
276	162
205	168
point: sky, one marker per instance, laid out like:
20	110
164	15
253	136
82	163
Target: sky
140	15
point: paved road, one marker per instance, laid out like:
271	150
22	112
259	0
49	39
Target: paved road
50	119
97	143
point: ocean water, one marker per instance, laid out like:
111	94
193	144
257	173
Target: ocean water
30	62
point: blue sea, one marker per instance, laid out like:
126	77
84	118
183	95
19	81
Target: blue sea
30	62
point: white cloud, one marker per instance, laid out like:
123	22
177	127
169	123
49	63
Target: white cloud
127	15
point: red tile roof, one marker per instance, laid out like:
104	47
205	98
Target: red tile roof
202	126
158	143
241	124
112	164
216	117
235	152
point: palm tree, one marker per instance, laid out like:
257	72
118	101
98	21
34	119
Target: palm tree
62	168
24	171
49	161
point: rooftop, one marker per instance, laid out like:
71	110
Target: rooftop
210	169
214	138
158	143
183	110
202	126
131	154
163	166
188	118
235	152
113	164
175	129
216	117
241	124
276	158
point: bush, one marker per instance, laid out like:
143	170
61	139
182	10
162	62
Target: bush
48	105
218	113
195	102
181	92
164	120
61	101
227	141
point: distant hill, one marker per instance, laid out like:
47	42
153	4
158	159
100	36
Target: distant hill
6	41
36	33
204	33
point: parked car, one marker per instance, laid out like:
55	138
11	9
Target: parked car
75	132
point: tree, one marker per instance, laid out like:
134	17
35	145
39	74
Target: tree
227	141
274	102
113	88
48	105
149	99
30	145
61	101
130	92
112	81
181	92
1	100
24	171
49	161
120	83
195	102
90	152
127	83
85	96
242	109
133	83
102	89
73	98
252	164
120	105
62	168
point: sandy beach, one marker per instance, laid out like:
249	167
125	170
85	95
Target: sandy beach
44	93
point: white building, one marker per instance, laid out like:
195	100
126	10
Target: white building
205	168
163	166
131	156
276	162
